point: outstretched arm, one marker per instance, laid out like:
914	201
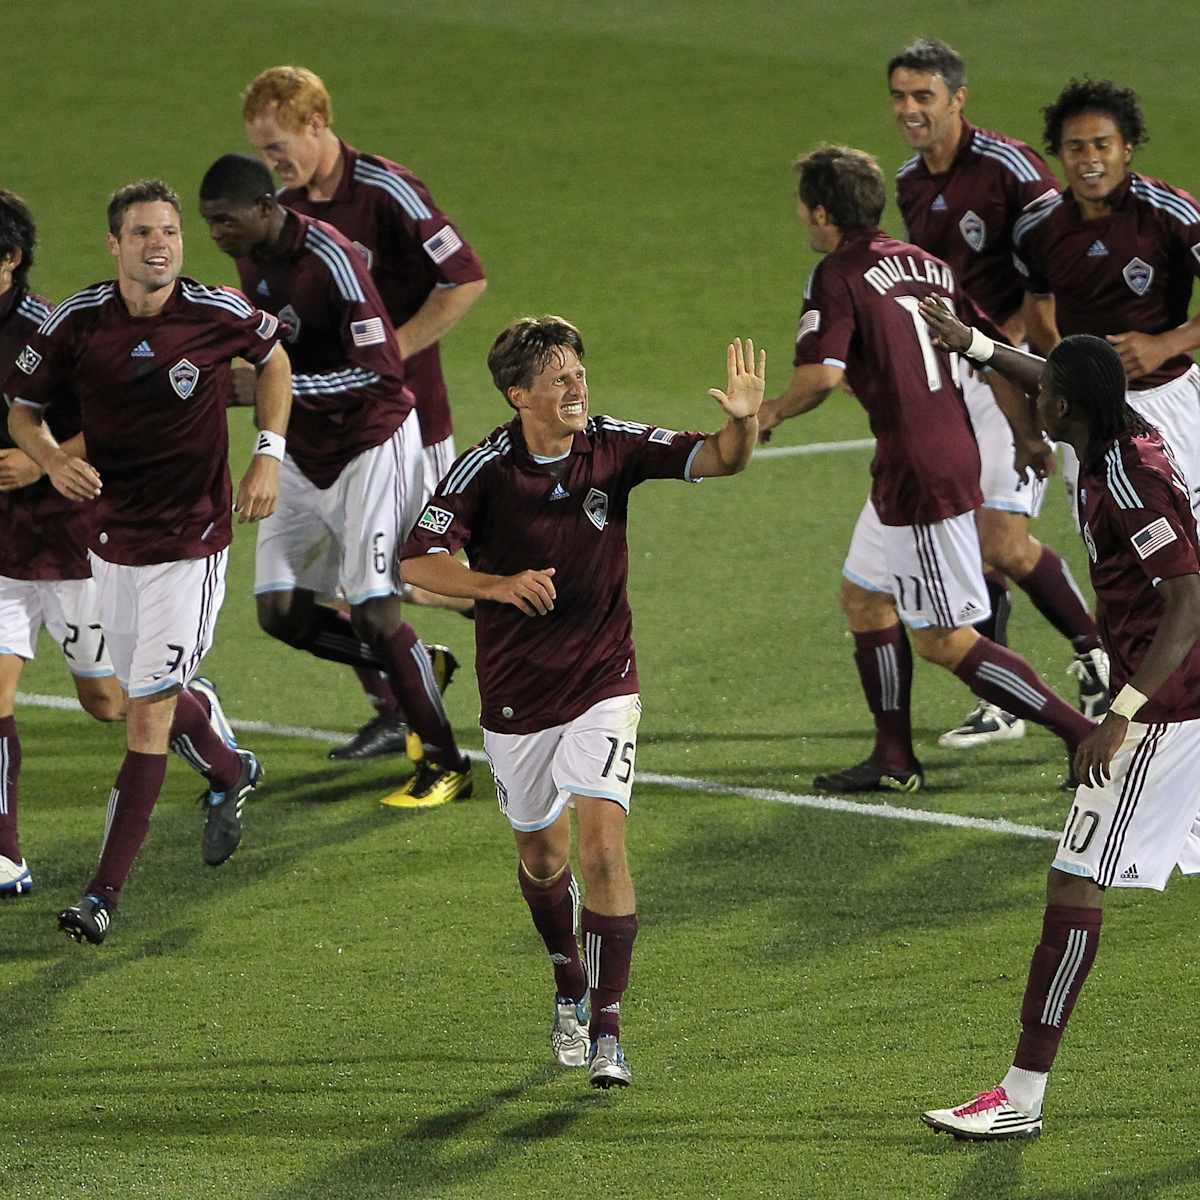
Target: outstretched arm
809	386
1023	369
728	452
259	488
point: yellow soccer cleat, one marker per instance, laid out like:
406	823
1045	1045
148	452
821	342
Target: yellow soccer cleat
430	786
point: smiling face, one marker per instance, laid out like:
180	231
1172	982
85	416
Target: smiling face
927	113
149	247
292	153
554	407
1094	154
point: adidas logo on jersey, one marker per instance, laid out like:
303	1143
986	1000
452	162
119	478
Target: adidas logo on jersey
142	350
559	493
262	288
1097	249
939	204
1130	874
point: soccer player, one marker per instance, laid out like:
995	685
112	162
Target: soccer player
44	574
1118	252
147	355
350	484
428	276
914	555
1134	818
541	506
960	196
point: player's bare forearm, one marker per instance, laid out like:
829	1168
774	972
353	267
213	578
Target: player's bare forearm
273	393
245	383
444	307
71	475
531	591
1017	406
808	388
730	450
1023	369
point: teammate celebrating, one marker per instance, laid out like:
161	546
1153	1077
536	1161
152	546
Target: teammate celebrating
1117	251
427	274
350	485
914	555
147	356
960	196
44	573
541	506
1132	819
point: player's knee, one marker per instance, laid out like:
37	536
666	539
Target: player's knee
376	620
603	862
279	619
1073	891
939	646
103	706
860	606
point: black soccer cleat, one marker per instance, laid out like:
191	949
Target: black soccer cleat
867	777
87	921
223	812
382	734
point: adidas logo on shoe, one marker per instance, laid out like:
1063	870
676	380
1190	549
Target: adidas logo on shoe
1130	874
1097	249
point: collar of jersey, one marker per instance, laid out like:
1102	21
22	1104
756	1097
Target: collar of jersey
581	444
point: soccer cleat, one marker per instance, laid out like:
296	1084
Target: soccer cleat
867	777
990	1117
431	785
984	725
444	664
606	1064
569	1033
87	921
216	713
223	812
382	734
15	878
1091	669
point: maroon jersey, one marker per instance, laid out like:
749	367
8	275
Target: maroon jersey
411	247
348	390
966	215
860	314
42	530
1137	523
513	514
152	395
1130	270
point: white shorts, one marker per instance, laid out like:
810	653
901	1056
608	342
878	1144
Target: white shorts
69	610
439	458
933	572
1175	409
1002	487
343	538
536	774
1142	824
160	619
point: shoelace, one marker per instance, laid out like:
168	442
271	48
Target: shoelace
996	1098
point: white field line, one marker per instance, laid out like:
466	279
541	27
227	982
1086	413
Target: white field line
814	448
683	783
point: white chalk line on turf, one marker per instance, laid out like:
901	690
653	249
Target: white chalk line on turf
683	783
814	448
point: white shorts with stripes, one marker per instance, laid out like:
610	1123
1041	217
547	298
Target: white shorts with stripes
1175	409
159	620
439	458
536	774
1137	828
343	538
933	572
68	609
1002	487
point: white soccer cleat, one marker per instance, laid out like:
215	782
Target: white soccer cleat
990	1117
606	1064
15	877
1091	669
569	1033
986	724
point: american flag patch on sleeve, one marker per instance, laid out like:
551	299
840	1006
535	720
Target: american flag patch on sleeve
443	244
809	323
1154	537
369	332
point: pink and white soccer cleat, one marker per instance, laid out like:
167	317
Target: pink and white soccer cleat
990	1117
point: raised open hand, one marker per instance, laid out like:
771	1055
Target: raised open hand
747	380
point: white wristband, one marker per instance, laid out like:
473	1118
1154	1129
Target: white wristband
1128	701
981	348
270	444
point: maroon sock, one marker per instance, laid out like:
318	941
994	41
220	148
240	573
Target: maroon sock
994	673
411	677
608	942
379	691
884	662
553	911
129	808
1070	938
994	626
10	770
199	745
1057	597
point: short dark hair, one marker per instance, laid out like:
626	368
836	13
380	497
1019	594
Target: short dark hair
526	346
144	191
237	177
934	56
17	232
1095	95
845	182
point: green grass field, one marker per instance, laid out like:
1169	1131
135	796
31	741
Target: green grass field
356	1004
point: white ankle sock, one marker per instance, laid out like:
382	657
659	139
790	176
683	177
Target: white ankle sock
1026	1089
